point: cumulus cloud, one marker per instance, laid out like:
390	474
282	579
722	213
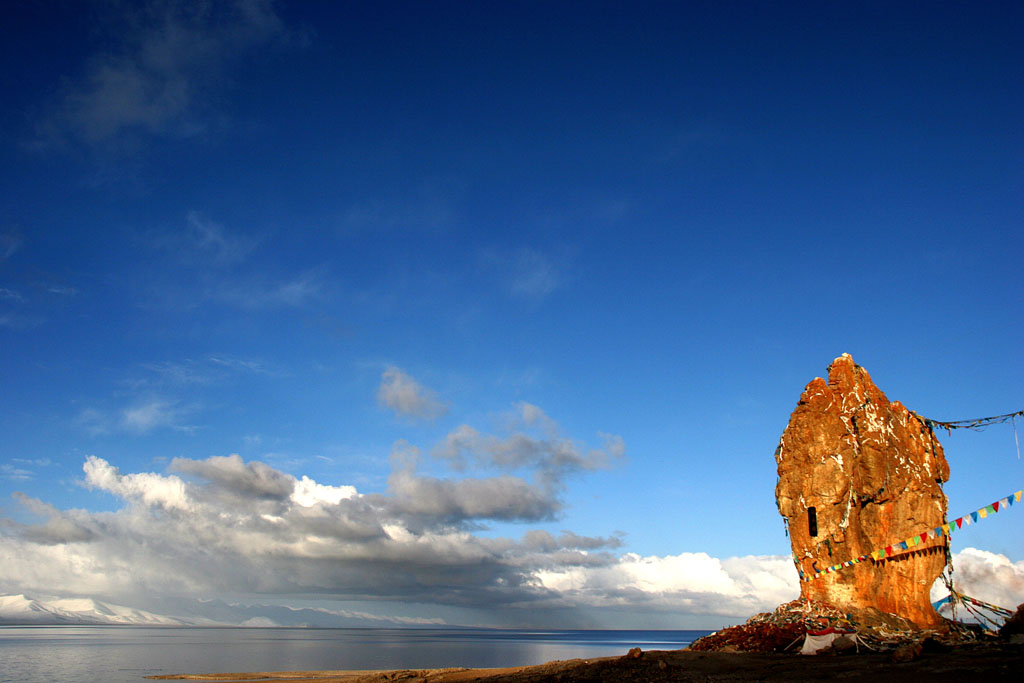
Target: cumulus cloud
153	79
987	576
148	489
308	493
401	393
501	498
535	442
221	523
60	526
688	582
199	536
231	474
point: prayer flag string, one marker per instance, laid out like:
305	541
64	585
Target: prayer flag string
945	529
976	424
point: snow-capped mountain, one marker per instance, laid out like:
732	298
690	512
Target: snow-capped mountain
19	609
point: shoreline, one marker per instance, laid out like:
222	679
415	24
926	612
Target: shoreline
974	662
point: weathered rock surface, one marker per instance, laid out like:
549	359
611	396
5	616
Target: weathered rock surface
872	471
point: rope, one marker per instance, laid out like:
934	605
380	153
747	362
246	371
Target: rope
976	424
1015	437
973	606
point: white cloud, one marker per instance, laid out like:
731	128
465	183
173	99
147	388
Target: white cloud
987	576
308	493
215	369
17	468
254	294
154	413
148	489
535	442
169	55
406	397
243	365
688	582
533	274
213	240
526	273
209	264
8	471
233	475
140	417
500	498
224	524
202	243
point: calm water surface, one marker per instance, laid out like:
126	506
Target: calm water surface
128	653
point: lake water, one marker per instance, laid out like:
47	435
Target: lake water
121	654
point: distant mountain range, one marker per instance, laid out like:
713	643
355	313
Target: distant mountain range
21	609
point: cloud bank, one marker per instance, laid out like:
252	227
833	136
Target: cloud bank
208	527
218	526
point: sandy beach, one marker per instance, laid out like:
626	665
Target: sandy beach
977	662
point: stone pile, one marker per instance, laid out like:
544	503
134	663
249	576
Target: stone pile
783	630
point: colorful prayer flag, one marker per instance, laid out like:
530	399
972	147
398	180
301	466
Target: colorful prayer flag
945	529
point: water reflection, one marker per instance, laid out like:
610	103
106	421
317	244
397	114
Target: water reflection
121	654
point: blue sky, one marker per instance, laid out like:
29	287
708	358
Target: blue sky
542	282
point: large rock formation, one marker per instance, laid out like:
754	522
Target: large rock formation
858	473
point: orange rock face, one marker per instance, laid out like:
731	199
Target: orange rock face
858	473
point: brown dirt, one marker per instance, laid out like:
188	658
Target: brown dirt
971	662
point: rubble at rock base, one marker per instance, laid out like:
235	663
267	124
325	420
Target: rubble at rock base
783	630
